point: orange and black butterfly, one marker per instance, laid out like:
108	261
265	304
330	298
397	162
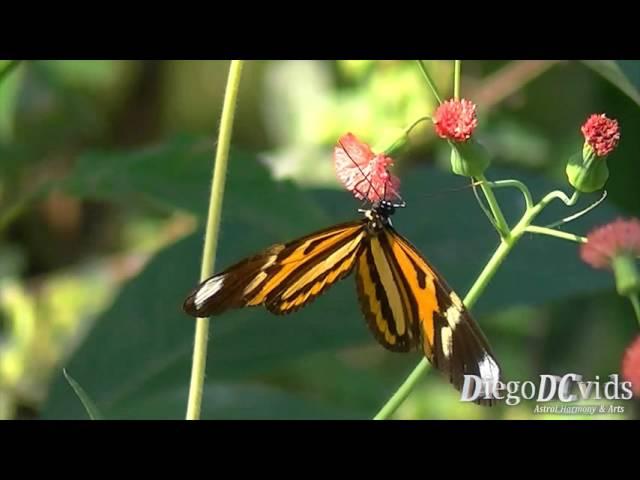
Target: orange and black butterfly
407	304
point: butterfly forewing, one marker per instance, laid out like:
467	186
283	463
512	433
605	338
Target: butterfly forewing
284	277
227	289
311	268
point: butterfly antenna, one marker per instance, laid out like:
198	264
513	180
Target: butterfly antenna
450	190
360	169
402	203
366	196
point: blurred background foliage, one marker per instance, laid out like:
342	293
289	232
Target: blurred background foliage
104	181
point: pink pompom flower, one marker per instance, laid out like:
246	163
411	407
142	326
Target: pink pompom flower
606	242
455	120
364	173
631	366
602	134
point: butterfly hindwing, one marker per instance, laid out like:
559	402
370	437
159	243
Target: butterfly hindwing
400	291
284	277
385	299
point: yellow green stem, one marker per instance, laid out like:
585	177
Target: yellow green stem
515	184
556	233
211	235
402	140
430	82
501	222
457	66
407	130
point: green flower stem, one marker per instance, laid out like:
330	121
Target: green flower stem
506	244
633	298
579	214
501	223
516	184
403	391
211	235
560	195
429	80
556	233
401	141
457	64
414	124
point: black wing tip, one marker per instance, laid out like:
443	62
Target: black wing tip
189	306
483	399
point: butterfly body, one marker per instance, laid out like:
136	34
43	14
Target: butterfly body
406	303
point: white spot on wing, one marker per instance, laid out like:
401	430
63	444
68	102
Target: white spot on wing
210	288
445	338
453	316
455	299
489	370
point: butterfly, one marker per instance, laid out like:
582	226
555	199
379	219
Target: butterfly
407	304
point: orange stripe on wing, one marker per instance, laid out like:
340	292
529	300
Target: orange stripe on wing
425	296
290	261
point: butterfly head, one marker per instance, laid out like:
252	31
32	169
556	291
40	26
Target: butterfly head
385	208
379	215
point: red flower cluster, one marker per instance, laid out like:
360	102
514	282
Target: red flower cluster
455	120
363	172
631	366
604	243
601	133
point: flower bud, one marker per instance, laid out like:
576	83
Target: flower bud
469	159
588	171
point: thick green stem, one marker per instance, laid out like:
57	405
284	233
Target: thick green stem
211	235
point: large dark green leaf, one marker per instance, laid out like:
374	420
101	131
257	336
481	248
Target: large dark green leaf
139	353
227	401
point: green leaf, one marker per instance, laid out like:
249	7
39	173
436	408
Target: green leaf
624	74
89	406
140	350
228	401
10	82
